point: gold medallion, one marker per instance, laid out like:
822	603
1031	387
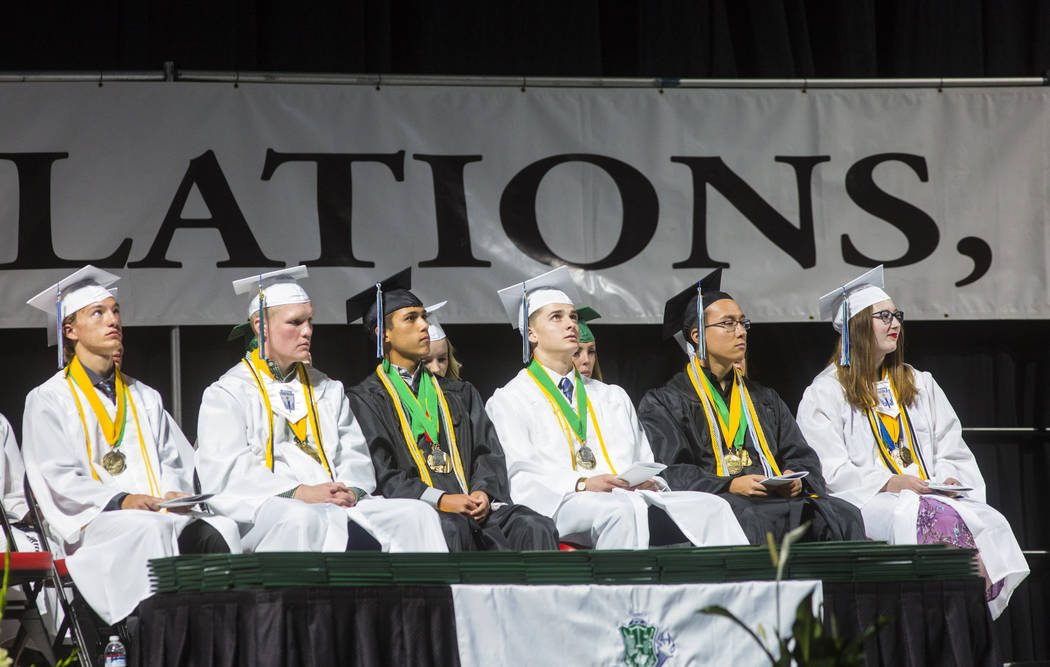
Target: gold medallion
733	463
114	462
745	458
308	449
585	458
896	456
906	457
438	460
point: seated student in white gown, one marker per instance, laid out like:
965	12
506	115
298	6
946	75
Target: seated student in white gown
279	446
441	359
12	479
101	454
567	438
12	488
586	357
888	438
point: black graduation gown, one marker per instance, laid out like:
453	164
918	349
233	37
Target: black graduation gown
674	421
511	527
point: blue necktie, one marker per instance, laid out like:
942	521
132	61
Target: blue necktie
108	389
566	388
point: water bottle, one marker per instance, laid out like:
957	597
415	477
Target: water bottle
116	656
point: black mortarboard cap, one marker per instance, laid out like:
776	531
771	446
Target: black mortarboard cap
680	311
390	295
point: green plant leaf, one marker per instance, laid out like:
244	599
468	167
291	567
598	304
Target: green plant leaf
773	556
785	547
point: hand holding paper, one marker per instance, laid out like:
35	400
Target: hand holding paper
641	472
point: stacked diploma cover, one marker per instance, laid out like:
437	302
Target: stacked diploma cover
828	561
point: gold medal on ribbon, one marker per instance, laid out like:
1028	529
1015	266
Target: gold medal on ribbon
305	446
905	456
585	458
114	462
438	460
745	458
733	463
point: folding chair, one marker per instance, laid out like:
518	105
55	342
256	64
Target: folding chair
57	576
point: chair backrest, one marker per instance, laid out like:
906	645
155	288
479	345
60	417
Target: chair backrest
35	519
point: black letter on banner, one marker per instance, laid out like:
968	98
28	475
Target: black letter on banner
920	228
797	242
335	197
450	209
517	209
205	173
35	247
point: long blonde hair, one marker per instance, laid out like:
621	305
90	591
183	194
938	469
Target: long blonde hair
858	380
453	364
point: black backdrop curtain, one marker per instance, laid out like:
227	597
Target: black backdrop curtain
995	373
666	38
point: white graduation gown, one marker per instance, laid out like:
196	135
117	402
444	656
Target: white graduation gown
842	437
232	435
107	552
540	467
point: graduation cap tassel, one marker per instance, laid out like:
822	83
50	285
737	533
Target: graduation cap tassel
524	324
262	320
58	318
380	320
701	340
844	357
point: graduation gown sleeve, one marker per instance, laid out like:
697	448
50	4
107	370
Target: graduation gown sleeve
230	453
824	416
476	440
488	468
790	448
536	480
382	432
954	458
668	416
12	473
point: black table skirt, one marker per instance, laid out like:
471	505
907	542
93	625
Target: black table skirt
932	623
311	627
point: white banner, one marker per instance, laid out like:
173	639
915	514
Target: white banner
622	625
180	188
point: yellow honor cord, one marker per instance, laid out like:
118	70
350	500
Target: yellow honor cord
569	433
905	425
406	431
299	428
730	430
761	436
122	389
111	428
693	372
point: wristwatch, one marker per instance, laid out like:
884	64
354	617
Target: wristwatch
581	484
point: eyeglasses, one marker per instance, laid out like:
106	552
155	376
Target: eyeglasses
729	326
887	316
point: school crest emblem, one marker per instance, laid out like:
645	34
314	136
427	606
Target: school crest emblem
643	643
288	398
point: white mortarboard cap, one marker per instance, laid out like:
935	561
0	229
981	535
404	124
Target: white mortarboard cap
555	286
843	303
279	288
435	330
861	292
523	299
77	290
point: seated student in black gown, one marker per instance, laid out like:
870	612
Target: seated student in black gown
722	433
431	439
